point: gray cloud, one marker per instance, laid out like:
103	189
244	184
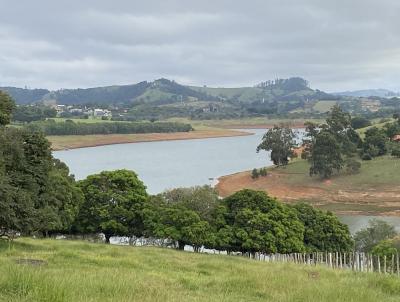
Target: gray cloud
336	45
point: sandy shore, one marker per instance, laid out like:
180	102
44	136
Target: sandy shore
65	142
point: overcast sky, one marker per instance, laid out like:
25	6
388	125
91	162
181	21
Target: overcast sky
336	45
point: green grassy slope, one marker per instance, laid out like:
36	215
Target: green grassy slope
79	271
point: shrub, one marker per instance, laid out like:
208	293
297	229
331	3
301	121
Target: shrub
353	166
396	152
254	173
366	156
263	172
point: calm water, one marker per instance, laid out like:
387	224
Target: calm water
170	164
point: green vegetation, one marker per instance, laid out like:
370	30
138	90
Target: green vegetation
280	140
113	204
26	114
378	172
6	107
324	106
79	271
69	127
376	232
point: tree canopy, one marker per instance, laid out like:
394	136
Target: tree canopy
323	230
113	204
280	140
251	221
376	231
6	107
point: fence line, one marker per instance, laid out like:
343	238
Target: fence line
355	261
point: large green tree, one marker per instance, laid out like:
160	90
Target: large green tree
201	199
376	139
177	223
113	205
37	194
251	221
325	155
280	140
323	230
327	146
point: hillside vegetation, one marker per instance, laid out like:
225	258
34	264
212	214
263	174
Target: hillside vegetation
81	271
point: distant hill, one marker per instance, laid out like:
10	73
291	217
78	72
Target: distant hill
26	96
164	91
383	93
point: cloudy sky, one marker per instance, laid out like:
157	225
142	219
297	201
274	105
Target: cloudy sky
336	45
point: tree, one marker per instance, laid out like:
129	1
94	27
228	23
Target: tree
201	199
254	173
375	137
6	107
359	122
177	223
37	194
280	140
377	230
323	230
60	200
325	156
328	145
251	221
113	204
384	248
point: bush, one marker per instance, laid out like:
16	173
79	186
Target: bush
254	173
396	152
263	172
353	166
366	156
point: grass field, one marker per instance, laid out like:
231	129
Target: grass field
79	271
255	122
324	106
375	190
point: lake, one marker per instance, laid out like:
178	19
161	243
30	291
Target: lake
170	164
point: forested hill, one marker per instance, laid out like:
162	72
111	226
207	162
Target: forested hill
163	91
25	95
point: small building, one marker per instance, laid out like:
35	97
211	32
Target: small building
101	112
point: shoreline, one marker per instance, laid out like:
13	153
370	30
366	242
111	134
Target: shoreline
341	201
67	142
294	125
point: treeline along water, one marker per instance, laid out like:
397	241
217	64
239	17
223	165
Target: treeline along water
69	127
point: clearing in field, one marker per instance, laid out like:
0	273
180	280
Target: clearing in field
324	106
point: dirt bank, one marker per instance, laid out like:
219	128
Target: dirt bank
81	141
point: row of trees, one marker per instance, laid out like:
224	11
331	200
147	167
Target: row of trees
116	204
69	127
27	113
